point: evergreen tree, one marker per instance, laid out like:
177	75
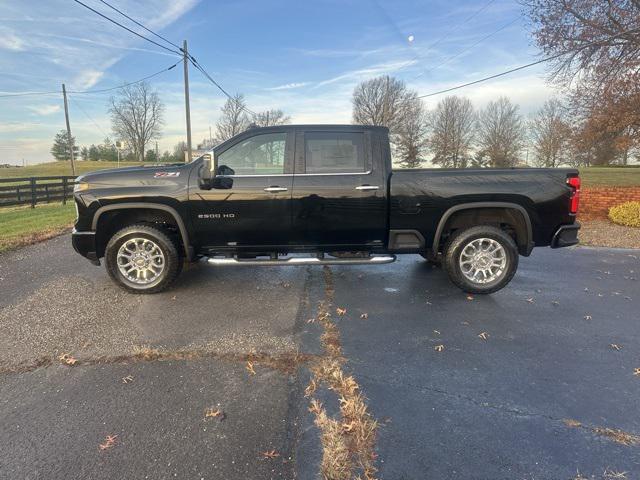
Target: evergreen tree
60	149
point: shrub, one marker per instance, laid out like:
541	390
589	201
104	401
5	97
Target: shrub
626	214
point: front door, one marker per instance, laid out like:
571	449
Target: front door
249	206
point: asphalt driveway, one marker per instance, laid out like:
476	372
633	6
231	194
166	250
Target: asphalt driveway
520	384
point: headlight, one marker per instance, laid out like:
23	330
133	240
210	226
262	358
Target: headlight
80	187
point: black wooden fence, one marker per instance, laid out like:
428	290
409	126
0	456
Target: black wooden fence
34	190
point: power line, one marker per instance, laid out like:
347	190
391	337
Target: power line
141	25
471	47
180	52
466	20
20	94
522	67
23	94
87	115
128	84
126	28
227	94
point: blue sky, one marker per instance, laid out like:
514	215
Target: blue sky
304	57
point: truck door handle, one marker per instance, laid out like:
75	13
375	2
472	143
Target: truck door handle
275	189
367	187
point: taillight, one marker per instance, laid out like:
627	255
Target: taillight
574	200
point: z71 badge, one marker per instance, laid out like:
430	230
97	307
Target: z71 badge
166	174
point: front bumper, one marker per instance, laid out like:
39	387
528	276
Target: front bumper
566	236
85	244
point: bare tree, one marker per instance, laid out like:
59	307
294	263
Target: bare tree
501	132
137	116
234	118
270	118
452	132
382	101
550	134
411	139
596	45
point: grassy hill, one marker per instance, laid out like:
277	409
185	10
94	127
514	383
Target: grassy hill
60	168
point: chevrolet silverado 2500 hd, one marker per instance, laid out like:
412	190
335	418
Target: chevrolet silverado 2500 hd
328	191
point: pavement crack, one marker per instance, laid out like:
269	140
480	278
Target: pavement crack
614	434
348	439
287	362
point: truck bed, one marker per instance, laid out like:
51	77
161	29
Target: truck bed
420	197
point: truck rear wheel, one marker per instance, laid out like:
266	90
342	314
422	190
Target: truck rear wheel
481	259
142	259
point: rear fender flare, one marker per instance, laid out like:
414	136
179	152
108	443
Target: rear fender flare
475	205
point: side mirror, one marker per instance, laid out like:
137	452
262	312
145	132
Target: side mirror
206	172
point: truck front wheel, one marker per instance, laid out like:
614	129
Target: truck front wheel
142	259
481	259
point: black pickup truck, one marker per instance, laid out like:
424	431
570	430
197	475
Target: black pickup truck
270	194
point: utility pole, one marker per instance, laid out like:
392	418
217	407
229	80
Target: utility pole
186	98
66	116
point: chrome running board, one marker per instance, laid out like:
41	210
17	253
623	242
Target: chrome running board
373	260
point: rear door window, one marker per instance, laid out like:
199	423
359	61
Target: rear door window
334	152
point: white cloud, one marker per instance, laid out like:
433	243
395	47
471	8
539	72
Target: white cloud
10	41
45	109
87	79
368	72
289	86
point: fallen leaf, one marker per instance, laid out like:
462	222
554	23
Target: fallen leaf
483	335
364	316
249	368
127	379
173	298
469	297
615	346
215	413
531	300
587	317
555	303
439	348
311	388
286	285
311	320
636	371
572	423
67	359
437	332
109	441
614	474
270	454
341	311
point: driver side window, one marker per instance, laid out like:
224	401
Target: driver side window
258	155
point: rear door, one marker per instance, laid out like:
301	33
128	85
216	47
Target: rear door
250	207
339	196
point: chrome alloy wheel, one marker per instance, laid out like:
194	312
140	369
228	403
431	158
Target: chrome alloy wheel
483	260
140	261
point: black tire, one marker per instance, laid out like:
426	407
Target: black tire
172	259
461	239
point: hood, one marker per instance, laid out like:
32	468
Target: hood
116	175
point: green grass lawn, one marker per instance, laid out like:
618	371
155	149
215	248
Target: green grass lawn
617	176
60	168
24	225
